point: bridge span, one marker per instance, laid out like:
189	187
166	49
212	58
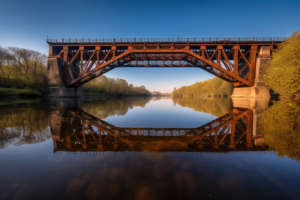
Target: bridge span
74	62
74	130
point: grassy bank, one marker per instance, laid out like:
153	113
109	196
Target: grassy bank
19	92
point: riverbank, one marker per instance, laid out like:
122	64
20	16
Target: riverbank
13	101
111	95
13	92
202	96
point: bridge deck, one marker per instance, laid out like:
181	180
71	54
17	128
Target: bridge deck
168	40
231	59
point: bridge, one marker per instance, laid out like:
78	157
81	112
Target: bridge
74	62
74	130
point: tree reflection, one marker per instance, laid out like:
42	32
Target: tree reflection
23	124
280	125
104	108
214	106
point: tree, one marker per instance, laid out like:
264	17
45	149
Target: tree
38	58
26	57
114	87
283	72
24	68
215	86
17	55
3	57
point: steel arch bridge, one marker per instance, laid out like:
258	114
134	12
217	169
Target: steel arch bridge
231	59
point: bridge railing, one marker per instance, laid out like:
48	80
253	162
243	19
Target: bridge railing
141	40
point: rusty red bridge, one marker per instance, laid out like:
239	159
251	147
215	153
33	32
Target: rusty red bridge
74	62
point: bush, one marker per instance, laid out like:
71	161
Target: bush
283	73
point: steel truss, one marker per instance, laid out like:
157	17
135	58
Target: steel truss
234	63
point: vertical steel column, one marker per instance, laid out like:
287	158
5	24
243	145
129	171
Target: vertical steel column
113	48
65	63
81	59
98	50
252	63
236	59
203	48
219	49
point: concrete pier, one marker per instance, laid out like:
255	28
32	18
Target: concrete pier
259	90
55	84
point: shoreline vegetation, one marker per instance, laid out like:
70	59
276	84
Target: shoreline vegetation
215	87
282	73
13	92
22	72
113	87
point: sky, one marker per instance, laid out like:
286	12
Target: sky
27	23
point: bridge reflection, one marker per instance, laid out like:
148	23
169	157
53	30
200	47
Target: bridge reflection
78	131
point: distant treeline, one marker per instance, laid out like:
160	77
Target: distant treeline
215	86
156	93
22	68
112	86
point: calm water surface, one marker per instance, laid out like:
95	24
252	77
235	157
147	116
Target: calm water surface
149	148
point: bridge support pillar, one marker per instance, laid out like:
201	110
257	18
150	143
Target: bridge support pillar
259	90
55	84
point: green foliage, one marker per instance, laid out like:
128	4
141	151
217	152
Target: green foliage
280	125
283	73
215	86
112	86
22	69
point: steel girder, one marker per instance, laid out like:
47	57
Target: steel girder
233	63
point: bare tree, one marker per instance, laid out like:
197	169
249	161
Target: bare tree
3	58
8	58
17	55
38	58
26	57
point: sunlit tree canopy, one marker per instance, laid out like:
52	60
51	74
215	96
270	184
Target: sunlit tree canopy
283	73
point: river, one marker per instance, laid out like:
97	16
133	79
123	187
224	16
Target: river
149	148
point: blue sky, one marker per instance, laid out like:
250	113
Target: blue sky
27	23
